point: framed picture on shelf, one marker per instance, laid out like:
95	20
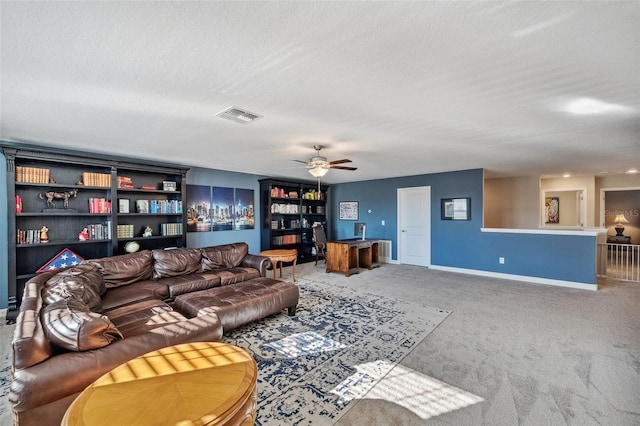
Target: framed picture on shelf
348	210
456	209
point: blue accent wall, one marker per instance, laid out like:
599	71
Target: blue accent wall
462	244
456	244
210	177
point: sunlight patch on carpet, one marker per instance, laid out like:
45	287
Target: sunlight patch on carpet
307	343
313	366
425	396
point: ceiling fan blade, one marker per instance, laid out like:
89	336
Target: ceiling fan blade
300	161
343	167
340	161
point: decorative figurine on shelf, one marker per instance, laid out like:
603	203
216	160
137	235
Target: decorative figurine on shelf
148	232
44	237
83	235
53	195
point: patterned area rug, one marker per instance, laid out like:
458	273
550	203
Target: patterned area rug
336	348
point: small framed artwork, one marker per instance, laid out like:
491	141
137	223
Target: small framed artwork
456	209
348	210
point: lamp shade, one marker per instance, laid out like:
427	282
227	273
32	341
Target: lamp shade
318	171
620	219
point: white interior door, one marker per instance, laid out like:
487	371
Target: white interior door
414	225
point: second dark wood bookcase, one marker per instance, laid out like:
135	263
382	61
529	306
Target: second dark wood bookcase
290	209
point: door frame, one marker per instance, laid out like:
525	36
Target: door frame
581	205
427	189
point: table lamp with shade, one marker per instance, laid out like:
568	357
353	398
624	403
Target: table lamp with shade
620	219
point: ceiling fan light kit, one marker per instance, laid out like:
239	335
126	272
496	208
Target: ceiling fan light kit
319	166
318	171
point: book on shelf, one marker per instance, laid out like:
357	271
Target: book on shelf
124	231
101	180
99	205
169	229
123	205
99	231
27	236
32	174
142	206
148	187
169	185
125	182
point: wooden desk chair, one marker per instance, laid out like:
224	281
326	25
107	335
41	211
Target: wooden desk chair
320	241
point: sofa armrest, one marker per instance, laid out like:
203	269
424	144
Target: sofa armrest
69	373
261	263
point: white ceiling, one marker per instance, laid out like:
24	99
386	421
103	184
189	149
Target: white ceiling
400	88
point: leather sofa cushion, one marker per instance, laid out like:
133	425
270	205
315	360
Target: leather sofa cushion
188	283
125	269
30	343
172	262
137	292
83	282
223	256
70	324
232	275
141	317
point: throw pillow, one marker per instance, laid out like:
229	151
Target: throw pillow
173	262
83	282
70	325
126	268
223	256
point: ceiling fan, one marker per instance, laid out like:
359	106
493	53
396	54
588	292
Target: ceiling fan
319	166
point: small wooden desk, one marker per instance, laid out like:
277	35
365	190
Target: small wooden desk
201	383
346	256
279	256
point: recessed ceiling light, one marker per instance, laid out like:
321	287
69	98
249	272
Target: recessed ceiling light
604	172
566	175
590	106
632	171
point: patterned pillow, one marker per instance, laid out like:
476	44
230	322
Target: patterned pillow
83	282
70	324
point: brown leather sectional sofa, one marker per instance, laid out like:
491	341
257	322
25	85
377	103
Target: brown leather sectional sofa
76	324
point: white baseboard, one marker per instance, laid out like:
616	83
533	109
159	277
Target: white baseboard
525	278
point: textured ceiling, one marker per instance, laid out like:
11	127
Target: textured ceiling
400	88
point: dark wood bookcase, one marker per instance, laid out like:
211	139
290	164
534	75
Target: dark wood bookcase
289	211
32	172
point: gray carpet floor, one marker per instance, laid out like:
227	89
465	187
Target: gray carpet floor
511	353
535	354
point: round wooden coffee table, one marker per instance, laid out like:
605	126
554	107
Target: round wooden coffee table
202	383
279	256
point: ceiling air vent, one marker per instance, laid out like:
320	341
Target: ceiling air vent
238	115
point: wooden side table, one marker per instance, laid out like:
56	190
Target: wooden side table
201	383
279	256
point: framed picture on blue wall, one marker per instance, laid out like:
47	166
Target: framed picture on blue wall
348	210
456	209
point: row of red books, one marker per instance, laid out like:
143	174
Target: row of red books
99	206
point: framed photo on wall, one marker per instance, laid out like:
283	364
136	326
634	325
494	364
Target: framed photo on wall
456	209
348	210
